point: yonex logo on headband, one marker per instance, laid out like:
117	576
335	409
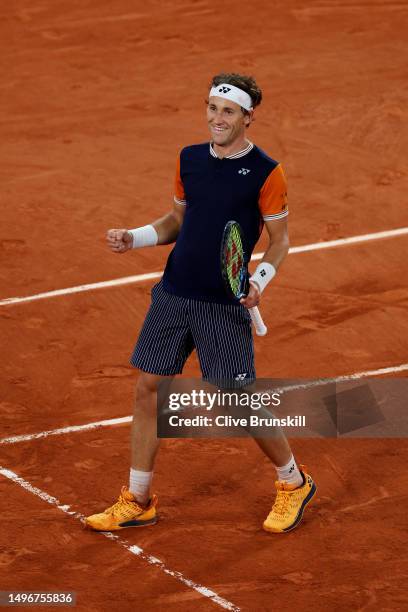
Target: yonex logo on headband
235	94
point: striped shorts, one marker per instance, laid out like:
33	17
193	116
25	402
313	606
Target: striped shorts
175	326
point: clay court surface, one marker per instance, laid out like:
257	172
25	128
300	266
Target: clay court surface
97	98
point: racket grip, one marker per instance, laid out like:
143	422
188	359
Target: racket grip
260	327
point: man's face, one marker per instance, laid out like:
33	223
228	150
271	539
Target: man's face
226	121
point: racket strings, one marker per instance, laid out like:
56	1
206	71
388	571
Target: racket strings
234	258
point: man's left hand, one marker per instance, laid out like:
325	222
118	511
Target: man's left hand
253	297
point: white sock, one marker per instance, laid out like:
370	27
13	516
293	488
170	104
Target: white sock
290	473
139	485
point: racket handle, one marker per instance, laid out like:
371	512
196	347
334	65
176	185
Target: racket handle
259	325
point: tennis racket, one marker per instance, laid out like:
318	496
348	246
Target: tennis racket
234	269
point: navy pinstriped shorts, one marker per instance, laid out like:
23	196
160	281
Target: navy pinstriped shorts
175	326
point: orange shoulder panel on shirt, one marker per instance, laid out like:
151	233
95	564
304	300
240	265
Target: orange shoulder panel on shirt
179	195
273	197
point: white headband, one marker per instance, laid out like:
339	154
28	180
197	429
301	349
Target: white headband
235	94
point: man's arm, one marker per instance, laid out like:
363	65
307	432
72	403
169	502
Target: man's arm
275	253
278	242
166	228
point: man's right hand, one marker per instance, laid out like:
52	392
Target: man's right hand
119	240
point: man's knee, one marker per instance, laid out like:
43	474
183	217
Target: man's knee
148	384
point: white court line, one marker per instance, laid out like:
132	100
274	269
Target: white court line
128	419
317	246
125	280
65	430
135	550
335	379
139	278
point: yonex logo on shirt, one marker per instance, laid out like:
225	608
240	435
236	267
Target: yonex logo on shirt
244	171
224	89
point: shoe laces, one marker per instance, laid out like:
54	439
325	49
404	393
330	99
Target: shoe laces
282	500
123	501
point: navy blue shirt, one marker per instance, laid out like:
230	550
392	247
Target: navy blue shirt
247	187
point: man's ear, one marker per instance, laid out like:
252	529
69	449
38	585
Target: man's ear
249	119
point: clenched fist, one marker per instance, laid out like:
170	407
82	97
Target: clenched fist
119	240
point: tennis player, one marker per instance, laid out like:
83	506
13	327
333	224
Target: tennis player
226	178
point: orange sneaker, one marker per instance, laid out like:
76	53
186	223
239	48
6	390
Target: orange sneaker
125	513
290	502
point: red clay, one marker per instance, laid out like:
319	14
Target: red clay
97	99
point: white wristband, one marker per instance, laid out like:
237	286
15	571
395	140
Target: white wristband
144	236
263	275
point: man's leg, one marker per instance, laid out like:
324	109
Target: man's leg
144	441
224	343
277	449
163	346
135	506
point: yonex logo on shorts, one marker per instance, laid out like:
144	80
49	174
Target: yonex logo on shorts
262	272
244	171
224	89
241	376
